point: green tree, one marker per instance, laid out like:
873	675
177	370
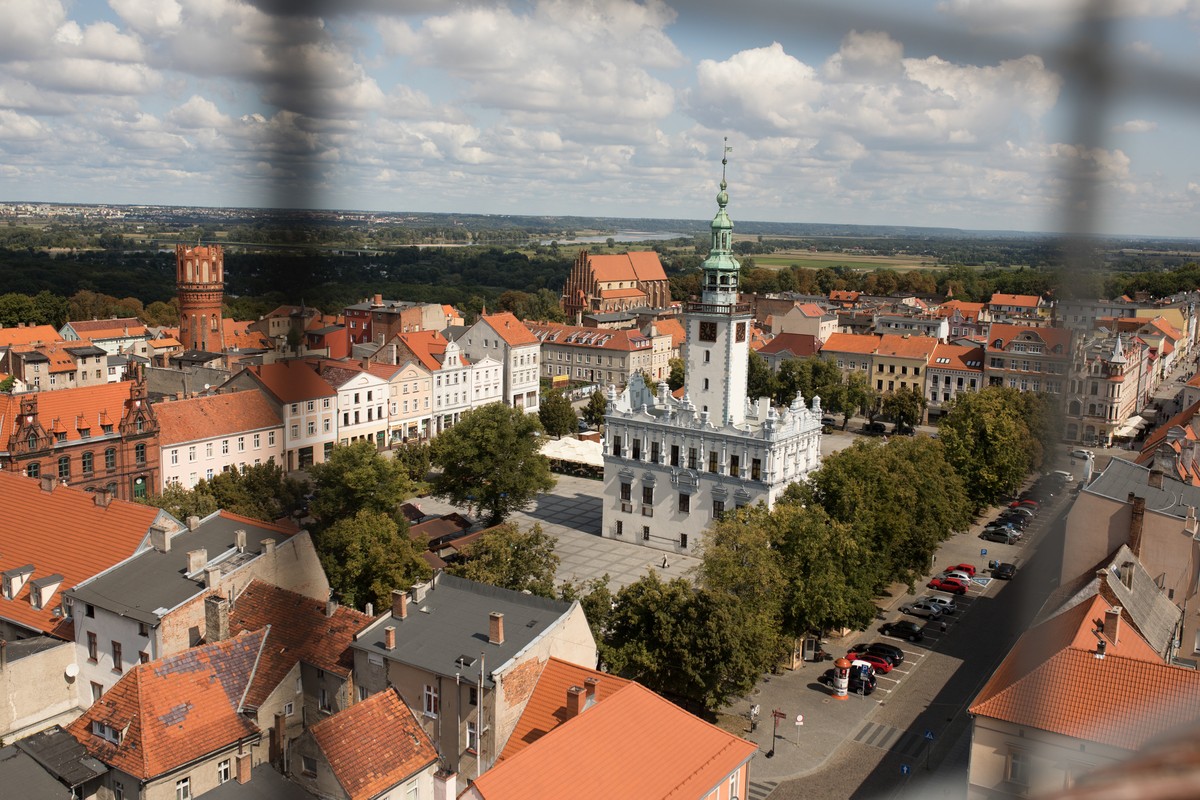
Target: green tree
597	601
182	503
260	491
557	415
594	411
760	381
356	478
491	460
510	558
366	556
905	407
414	457
677	375
6	385
988	440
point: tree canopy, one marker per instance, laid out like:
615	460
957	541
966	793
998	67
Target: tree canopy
557	415
354	478
905	407
259	491
367	555
596	408
508	557
491	461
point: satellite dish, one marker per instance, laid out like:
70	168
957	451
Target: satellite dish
72	670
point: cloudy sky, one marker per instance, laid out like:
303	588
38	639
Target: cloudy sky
960	113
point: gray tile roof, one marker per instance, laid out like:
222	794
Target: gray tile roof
1121	477
59	754
18	770
452	621
264	784
147	585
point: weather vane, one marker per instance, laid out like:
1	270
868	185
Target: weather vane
725	159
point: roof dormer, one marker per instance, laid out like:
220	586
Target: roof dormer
14	580
41	590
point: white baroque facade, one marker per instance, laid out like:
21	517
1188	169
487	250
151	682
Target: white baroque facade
672	466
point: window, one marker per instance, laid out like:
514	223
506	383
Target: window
692	458
473	695
648	495
431	704
645	533
270	438
175	456
472	737
257	440
1018	768
118	789
312	427
309	765
97	691
33	469
712	460
289	709
324	701
295	431
295	408
718	509
241	444
224	447
734	780
637	450
626	492
183	789
93	652
621	530
683	541
674	455
734	467
143	629
685	503
116	654
139	486
64	467
139	453
223	771
756	469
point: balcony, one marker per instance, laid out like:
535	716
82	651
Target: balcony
716	308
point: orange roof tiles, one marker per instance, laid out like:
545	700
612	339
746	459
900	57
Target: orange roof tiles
175	710
63	532
844	296
300	631
861	343
238	335
612	294
547	706
209	416
672	326
108	328
622	339
10	337
292	381
1050	336
374	745
893	345
102	404
799	345
632	743
509	328
165	342
1022	300
428	347
637	266
970	311
1052	680
957	356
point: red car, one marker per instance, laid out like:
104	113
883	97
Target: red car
880	663
952	585
967	568
1034	504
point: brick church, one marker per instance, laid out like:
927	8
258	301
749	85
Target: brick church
602	284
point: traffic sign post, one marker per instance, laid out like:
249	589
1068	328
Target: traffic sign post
982	552
776	715
928	746
799	724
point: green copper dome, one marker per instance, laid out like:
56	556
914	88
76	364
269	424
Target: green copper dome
721	268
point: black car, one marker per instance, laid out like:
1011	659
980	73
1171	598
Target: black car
903	629
857	684
893	654
875	429
1019	521
1005	571
828	421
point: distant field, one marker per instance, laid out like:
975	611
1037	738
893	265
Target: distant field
804	258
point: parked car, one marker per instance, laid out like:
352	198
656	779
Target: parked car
967	568
892	653
1028	512
857	684
1005	571
1081	453
921	609
903	629
1001	536
1025	502
828	421
957	574
878	663
874	429
952	585
1063	475
947	605
1014	519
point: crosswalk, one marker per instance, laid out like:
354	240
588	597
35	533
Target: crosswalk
885	737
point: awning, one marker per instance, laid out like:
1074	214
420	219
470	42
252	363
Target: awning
569	449
1130	427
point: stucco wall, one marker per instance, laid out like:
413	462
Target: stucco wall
36	692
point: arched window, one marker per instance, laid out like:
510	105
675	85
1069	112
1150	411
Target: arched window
64	467
33	469
33	441
1075	408
214	322
110	458
139	453
88	463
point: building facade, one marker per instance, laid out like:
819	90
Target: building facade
671	467
200	282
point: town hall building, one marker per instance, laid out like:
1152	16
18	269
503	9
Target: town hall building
672	466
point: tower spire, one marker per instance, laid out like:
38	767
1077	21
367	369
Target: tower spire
721	269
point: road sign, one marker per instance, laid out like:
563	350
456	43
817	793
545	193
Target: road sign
905	769
983	551
777	714
799	719
929	735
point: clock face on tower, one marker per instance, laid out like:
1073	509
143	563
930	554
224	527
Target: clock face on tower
708	331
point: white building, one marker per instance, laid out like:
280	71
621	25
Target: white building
201	437
506	339
672	466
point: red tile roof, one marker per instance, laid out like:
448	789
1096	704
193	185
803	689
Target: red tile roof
631	743
209	416
428	347
621	340
799	345
374	745
1024	300
638	266
957	356
674	328
300	631
62	532
292	381
862	343
613	294
970	311
1052	680
893	345
175	710
28	335
108	328
238	334
510	329
1050	336
102	404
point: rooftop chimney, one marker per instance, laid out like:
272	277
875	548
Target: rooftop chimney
399	604
160	538
590	685
48	483
102	497
216	618
445	785
575	701
1156	478
268	546
239	540
196	560
1136	521
389	637
1112	624
193	522
496	627
212	577
1190	524
330	607
244	766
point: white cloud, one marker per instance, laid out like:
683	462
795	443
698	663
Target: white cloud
198	112
29	26
1136	126
151	17
19	126
88	76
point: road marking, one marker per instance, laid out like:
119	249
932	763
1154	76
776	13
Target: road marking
885	737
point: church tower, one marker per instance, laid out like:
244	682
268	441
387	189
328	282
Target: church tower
718	327
200	279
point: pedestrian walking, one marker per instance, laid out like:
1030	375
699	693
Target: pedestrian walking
664	564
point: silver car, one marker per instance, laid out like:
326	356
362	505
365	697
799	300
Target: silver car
944	602
922	608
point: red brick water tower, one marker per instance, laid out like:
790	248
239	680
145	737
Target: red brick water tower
200	279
